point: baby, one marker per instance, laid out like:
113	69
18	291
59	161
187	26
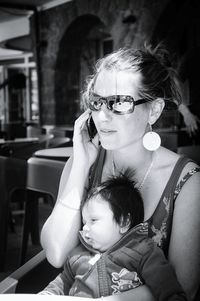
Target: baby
115	253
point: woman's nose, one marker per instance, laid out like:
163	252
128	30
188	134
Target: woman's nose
105	114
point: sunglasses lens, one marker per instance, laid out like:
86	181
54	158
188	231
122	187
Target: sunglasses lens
123	104
95	103
118	104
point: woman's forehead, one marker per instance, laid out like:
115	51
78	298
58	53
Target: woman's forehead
117	82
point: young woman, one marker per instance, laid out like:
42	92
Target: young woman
125	97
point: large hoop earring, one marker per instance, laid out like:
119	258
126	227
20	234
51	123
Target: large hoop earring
151	140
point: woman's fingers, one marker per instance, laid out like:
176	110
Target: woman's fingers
83	116
194	126
81	121
84	150
95	140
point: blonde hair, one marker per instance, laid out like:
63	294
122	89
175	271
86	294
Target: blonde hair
159	78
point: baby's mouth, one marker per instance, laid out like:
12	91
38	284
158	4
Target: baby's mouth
86	238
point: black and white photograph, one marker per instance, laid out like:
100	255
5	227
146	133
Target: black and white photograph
100	150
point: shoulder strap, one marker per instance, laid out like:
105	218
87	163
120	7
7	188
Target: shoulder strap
177	185
172	183
96	169
184	180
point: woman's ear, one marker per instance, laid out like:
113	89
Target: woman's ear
125	224
156	109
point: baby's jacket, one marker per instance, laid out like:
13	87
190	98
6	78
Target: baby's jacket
133	261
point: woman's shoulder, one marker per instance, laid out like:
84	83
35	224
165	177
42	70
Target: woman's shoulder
173	161
189	169
185	172
188	186
177	170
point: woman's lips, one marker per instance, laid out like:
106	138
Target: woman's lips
107	132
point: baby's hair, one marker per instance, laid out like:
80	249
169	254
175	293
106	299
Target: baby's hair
123	197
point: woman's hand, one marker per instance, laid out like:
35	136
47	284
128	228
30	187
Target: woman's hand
84	150
190	120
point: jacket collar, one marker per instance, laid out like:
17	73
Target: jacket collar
139	232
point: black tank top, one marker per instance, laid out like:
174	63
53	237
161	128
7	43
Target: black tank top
160	222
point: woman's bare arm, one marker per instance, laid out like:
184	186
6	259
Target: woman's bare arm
184	247
141	293
60	232
191	121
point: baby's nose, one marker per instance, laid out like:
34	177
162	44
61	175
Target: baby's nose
86	228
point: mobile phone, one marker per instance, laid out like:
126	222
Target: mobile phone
91	128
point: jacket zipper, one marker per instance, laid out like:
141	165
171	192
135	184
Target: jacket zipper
104	289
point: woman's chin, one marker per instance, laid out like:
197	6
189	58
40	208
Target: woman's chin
108	145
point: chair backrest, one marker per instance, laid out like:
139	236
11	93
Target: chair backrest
43	175
12	174
12	178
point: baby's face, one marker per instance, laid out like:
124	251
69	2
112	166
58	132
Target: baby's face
100	230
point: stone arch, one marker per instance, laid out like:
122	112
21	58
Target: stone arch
79	48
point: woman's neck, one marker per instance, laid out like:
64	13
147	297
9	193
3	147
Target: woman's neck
131	157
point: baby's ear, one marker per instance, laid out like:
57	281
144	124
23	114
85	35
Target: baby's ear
125	224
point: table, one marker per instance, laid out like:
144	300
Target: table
19	140
57	153
20	147
30	297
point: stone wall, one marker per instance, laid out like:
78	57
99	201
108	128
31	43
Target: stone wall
71	38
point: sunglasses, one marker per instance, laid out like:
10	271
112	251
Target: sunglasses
118	104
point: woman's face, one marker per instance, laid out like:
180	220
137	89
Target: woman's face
119	131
